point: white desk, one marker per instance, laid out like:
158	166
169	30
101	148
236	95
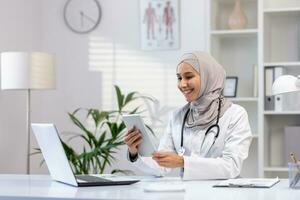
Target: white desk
41	187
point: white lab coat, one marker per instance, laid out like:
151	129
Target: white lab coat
225	158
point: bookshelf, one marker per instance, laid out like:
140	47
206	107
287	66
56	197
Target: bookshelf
280	46
270	39
225	44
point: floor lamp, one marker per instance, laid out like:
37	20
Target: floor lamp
27	71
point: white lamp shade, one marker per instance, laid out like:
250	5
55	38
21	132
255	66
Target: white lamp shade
23	70
285	84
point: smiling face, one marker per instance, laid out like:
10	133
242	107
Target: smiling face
189	81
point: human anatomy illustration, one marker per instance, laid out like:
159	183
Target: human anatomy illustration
159	27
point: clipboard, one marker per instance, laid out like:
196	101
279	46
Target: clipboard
249	183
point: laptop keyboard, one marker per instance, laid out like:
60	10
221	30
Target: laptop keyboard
89	178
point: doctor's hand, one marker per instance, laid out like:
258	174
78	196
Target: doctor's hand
168	159
133	138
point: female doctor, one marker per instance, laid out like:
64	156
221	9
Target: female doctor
209	137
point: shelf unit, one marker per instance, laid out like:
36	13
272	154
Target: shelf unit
224	45
271	39
280	46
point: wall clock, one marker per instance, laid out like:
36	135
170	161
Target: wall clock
82	16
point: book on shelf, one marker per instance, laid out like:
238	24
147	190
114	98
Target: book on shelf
278	99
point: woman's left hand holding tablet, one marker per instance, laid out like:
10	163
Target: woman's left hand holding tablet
168	159
133	138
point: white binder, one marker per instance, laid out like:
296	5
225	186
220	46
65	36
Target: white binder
278	100
269	79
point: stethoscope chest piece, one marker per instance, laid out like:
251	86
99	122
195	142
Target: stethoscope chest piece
181	151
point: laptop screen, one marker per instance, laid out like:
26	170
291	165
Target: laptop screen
53	153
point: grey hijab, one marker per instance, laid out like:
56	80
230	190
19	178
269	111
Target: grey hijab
204	110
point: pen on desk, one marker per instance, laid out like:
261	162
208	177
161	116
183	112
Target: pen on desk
248	185
293	158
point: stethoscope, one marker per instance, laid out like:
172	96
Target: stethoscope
216	126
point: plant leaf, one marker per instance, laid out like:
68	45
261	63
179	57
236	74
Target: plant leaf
101	139
129	98
90	137
103	142
97	115
120	98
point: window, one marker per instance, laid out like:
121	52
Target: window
134	70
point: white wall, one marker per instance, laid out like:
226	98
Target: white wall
77	86
20	30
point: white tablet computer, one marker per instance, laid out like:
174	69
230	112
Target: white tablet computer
134	120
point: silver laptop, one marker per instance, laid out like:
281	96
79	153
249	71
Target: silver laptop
58	164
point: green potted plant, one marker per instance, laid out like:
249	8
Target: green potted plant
105	137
